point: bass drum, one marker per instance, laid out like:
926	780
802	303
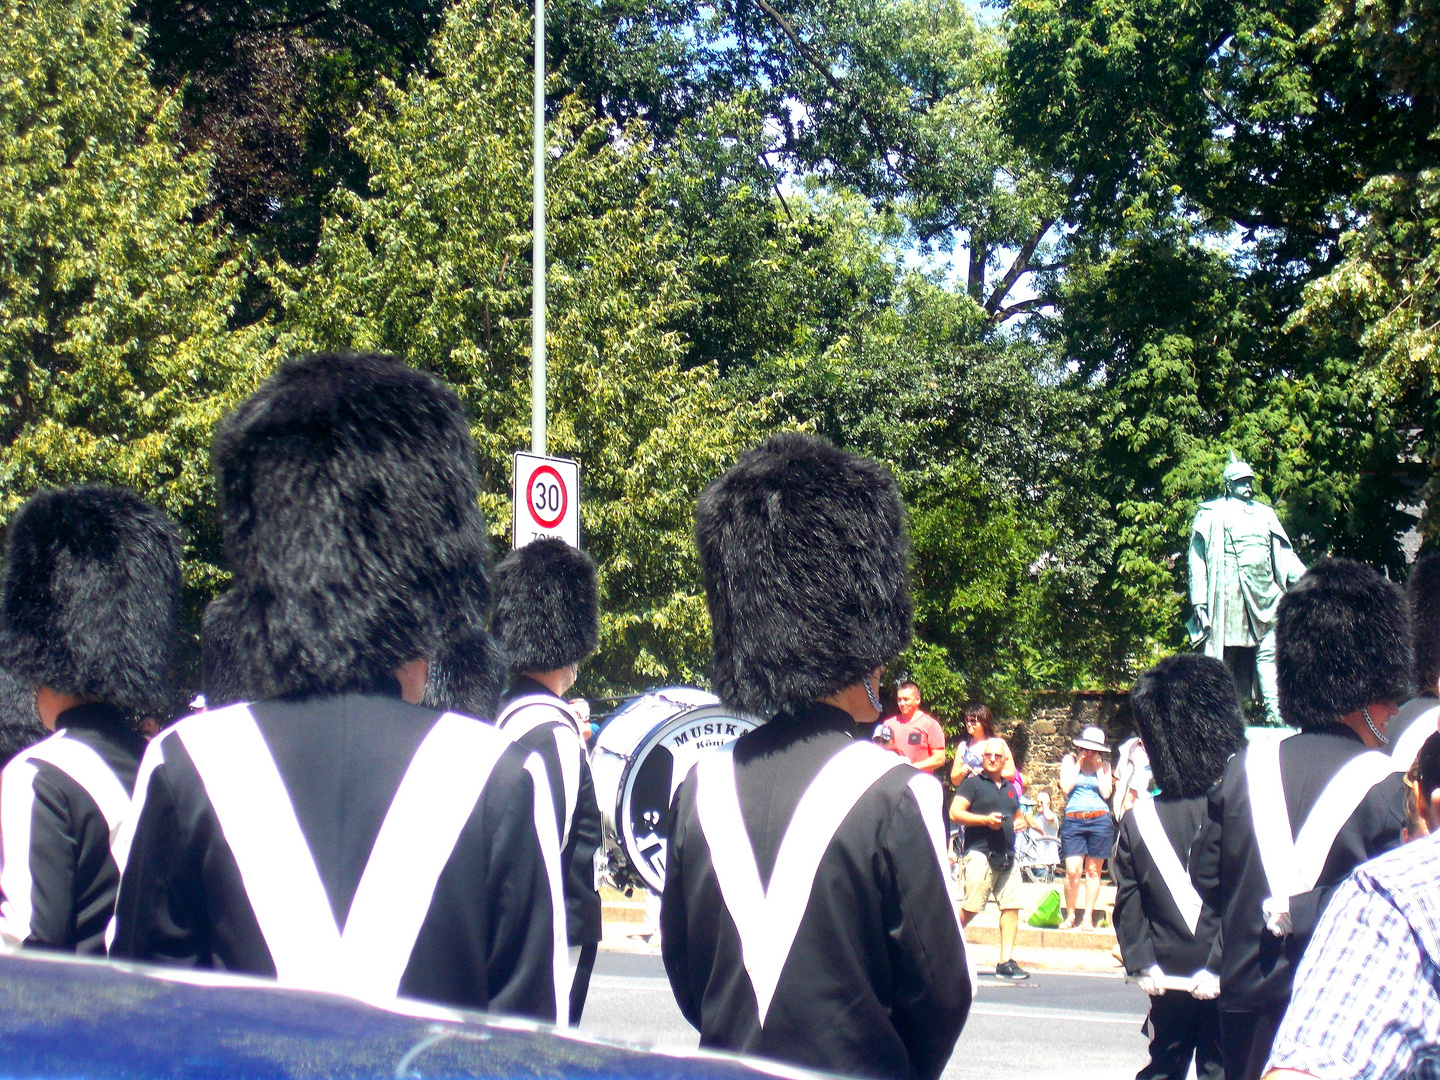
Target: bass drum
640	758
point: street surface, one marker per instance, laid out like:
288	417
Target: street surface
1056	1027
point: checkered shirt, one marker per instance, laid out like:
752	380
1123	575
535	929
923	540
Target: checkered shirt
1367	991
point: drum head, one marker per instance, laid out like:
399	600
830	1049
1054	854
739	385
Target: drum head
639	779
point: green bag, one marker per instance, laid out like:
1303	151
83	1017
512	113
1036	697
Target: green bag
1047	912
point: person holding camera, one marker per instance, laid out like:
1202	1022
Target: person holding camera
986	804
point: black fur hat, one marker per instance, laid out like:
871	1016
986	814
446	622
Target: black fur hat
467	677
1342	640
348	501
1189	717
1422	592
804	555
90	598
547	606
20	725
220	672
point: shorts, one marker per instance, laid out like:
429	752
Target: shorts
981	882
1091	837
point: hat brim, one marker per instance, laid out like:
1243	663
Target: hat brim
1086	744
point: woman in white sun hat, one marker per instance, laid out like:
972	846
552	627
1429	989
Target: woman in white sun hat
1087	834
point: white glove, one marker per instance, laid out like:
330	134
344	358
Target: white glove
1150	981
1277	915
1206	986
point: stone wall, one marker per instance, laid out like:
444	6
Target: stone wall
1041	740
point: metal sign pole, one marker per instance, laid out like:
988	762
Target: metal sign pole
537	318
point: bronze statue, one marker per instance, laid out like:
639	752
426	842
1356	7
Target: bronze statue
1241	563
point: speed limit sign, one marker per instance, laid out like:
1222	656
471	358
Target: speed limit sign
546	499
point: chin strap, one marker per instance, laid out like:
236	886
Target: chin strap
875	701
1365	712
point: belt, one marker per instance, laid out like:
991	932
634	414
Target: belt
1087	814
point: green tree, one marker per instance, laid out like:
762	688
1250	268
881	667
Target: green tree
431	262
115	293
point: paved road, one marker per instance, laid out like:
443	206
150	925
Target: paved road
1059	1027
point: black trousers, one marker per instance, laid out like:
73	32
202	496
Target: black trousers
1181	1028
580	988
1246	1039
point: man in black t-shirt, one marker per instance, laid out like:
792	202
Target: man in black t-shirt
987	806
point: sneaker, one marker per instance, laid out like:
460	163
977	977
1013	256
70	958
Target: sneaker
1011	970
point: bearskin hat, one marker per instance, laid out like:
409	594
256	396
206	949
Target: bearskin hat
467	677
348	503
1342	640
89	603
803	550
1422	592
220	673
20	725
1189	717
547	606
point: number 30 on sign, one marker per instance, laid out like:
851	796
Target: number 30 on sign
546	500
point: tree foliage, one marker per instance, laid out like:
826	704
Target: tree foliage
115	295
431	262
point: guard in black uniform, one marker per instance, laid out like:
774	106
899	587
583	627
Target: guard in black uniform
547	617
806	914
1190	722
333	833
87	622
1290	820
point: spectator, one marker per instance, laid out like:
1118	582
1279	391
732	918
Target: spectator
979	729
1343	656
986	804
1420	716
1133	777
1045	822
916	736
1367	991
1087	833
1422	791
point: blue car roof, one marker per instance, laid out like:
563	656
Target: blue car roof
64	1017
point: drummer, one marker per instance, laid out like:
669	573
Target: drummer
841	951
547	619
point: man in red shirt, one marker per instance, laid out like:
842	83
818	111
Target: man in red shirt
914	735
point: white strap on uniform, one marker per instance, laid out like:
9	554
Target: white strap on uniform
435	799
524	715
1293	864
1407	747
17	804
1167	861
83	764
768	920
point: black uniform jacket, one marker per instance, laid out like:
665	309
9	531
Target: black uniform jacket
1148	922
60	880
577	860
1256	968
487	940
876	982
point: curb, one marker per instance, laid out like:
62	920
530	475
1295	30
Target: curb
1030	937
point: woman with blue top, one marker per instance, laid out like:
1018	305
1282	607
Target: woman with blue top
1087	834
